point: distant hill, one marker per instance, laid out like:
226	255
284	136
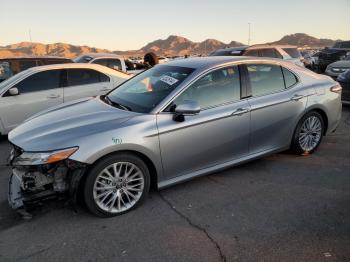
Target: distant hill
301	40
177	45
57	49
173	45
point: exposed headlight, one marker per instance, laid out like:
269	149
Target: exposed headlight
42	158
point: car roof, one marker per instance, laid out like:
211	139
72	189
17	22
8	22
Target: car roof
203	63
96	55
33	57
97	67
270	46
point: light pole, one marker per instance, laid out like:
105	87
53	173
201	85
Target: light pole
248	33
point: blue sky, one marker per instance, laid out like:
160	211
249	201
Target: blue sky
130	24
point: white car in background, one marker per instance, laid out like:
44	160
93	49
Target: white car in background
112	61
42	87
285	52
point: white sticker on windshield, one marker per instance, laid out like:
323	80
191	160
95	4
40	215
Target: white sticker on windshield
169	80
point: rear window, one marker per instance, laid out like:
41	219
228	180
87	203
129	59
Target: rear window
265	79
76	77
292	52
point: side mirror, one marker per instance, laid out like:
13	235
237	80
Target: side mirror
186	108
13	91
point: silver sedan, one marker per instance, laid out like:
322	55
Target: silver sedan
174	122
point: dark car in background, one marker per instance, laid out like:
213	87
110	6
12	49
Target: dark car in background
339	67
13	65
333	54
344	80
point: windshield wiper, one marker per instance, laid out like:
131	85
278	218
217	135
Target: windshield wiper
115	104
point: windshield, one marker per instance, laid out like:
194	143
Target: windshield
145	91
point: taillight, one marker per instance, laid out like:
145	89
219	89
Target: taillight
336	89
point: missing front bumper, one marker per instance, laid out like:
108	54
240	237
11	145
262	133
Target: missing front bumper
29	188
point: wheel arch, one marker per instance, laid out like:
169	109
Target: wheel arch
322	112
147	160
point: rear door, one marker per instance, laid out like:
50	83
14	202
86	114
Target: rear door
37	92
276	103
84	82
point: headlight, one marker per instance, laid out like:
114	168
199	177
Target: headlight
344	77
42	158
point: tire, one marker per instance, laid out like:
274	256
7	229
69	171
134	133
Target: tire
115	197
151	59
303	134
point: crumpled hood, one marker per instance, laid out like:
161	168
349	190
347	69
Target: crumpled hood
341	63
61	127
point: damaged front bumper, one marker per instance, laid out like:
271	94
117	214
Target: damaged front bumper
33	184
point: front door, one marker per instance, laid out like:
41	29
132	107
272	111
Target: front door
37	92
218	134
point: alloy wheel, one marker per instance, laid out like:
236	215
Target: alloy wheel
118	187
310	133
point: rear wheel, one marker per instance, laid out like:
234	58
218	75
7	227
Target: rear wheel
116	185
308	134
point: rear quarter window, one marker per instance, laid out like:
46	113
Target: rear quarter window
289	78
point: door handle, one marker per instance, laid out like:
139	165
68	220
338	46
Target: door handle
53	96
297	97
240	111
105	89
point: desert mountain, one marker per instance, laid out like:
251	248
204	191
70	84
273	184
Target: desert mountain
173	45
177	45
301	39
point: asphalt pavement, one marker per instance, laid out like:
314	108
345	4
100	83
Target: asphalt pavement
280	208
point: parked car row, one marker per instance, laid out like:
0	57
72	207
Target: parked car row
39	88
13	65
328	56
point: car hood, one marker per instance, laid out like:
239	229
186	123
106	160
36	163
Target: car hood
61	126
342	63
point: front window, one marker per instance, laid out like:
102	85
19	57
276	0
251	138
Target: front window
40	81
145	91
216	88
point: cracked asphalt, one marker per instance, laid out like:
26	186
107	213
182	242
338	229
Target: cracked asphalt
280	208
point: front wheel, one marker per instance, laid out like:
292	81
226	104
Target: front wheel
116	185
308	134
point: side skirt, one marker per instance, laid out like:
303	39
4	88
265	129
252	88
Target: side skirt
216	168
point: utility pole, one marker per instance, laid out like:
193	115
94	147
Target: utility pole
248	33
30	36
